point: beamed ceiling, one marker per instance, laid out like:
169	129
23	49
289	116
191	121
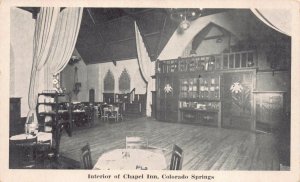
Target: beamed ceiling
107	34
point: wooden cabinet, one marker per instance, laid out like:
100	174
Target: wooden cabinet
199	100
52	117
188	90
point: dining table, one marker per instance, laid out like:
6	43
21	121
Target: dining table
79	117
131	159
23	148
41	137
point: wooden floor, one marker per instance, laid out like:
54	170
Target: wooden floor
205	148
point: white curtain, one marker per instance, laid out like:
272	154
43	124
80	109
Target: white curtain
55	37
146	66
278	19
64	40
44	30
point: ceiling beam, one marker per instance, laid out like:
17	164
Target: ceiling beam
161	34
121	40
131	38
94	25
92	18
214	37
141	28
106	60
133	16
151	34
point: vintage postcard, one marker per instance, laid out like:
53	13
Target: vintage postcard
150	91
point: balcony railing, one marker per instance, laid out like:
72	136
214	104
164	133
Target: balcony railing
224	61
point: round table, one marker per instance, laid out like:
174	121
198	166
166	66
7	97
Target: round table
41	137
131	159
22	137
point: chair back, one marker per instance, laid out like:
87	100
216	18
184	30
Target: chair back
177	158
86	158
106	111
136	142
116	108
115	112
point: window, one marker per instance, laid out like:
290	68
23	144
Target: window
124	82
109	82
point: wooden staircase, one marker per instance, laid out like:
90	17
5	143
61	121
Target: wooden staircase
133	104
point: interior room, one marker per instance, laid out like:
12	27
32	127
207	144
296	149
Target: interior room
149	89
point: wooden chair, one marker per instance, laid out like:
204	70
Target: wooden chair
115	114
43	150
105	113
177	158
136	143
89	115
86	158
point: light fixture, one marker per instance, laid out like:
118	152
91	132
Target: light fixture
184	16
185	25
73	60
77	84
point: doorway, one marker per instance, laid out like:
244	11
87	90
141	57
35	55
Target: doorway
237	100
92	95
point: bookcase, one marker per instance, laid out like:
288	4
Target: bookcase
195	95
53	115
197	88
199	99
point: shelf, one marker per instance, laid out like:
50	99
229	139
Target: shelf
48	123
47	103
199	110
199	100
47	113
52	94
255	92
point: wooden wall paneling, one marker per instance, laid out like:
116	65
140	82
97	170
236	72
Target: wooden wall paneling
15	124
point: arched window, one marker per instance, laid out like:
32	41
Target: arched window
124	82
109	82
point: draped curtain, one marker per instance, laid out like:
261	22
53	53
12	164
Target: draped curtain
54	41
146	66
64	40
278	19
44	30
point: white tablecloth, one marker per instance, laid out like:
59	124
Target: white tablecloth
41	136
78	111
22	136
131	159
